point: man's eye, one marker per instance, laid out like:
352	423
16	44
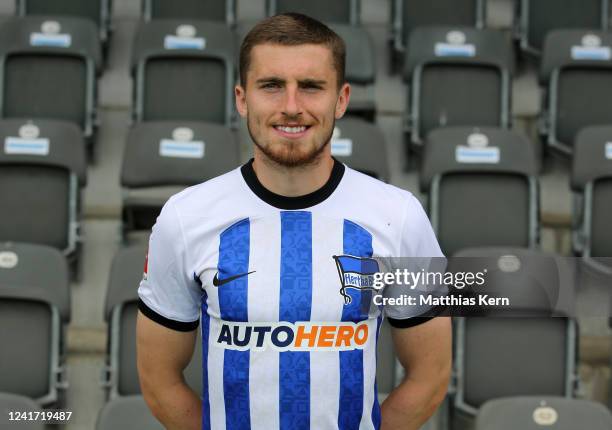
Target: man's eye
311	87
270	85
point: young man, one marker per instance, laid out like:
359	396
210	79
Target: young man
255	255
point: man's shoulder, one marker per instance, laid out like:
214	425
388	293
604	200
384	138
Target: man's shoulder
369	188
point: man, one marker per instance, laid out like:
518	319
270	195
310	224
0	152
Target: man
255	256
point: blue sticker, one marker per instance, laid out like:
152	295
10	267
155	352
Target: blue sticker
18	145
341	147
598	53
609	150
487	155
176	42
453	50
178	149
54	40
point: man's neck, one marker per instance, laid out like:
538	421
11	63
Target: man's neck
292	181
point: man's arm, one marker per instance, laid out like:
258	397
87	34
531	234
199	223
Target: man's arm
425	352
162	355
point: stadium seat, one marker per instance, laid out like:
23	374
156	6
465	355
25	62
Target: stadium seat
120	312
591	181
130	412
407	15
337	11
457	76
162	158
576	71
48	70
184	70
15	403
537	412
536	18
34	307
494	356
210	10
42	170
482	188
97	11
360	68
361	145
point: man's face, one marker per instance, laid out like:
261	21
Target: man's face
291	101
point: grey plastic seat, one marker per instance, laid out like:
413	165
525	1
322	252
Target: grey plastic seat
576	72
337	11
482	187
48	70
15	403
34	308
42	169
130	412
536	18
163	157
361	145
98	11
457	76
184	71
210	10
591	181
537	412
120	311
493	356
407	15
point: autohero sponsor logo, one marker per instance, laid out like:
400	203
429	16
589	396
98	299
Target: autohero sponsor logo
284	336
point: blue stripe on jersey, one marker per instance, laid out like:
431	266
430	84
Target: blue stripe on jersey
295	305
357	242
234	260
376	417
205	388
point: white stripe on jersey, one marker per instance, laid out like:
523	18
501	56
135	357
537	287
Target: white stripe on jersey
264	306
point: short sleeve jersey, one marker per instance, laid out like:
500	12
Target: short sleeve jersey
278	286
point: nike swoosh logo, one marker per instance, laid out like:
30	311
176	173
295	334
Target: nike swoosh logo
219	282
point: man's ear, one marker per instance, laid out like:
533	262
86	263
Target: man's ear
240	95
343	100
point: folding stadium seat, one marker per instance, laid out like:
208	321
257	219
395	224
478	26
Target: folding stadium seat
42	170
406	15
361	145
457	77
34	307
591	180
210	10
360	69
576	70
130	412
514	351
535	413
15	403
337	11
163	157
536	18
184	70
121	308
482	188
48	70
98	11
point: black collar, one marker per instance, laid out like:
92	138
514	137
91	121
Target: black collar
292	203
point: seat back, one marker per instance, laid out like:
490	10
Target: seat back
539	17
130	412
537	412
97	11
211	10
42	165
340	11
184	71
15	403
465	170
447	66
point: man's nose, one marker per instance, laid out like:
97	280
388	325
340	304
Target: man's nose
292	102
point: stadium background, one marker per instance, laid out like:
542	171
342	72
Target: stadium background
102	199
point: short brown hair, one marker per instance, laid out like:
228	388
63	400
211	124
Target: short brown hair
292	29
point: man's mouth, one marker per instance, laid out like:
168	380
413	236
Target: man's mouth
291	131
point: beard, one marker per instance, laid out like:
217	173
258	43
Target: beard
292	155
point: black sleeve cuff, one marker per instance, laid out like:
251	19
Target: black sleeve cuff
168	323
408	322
